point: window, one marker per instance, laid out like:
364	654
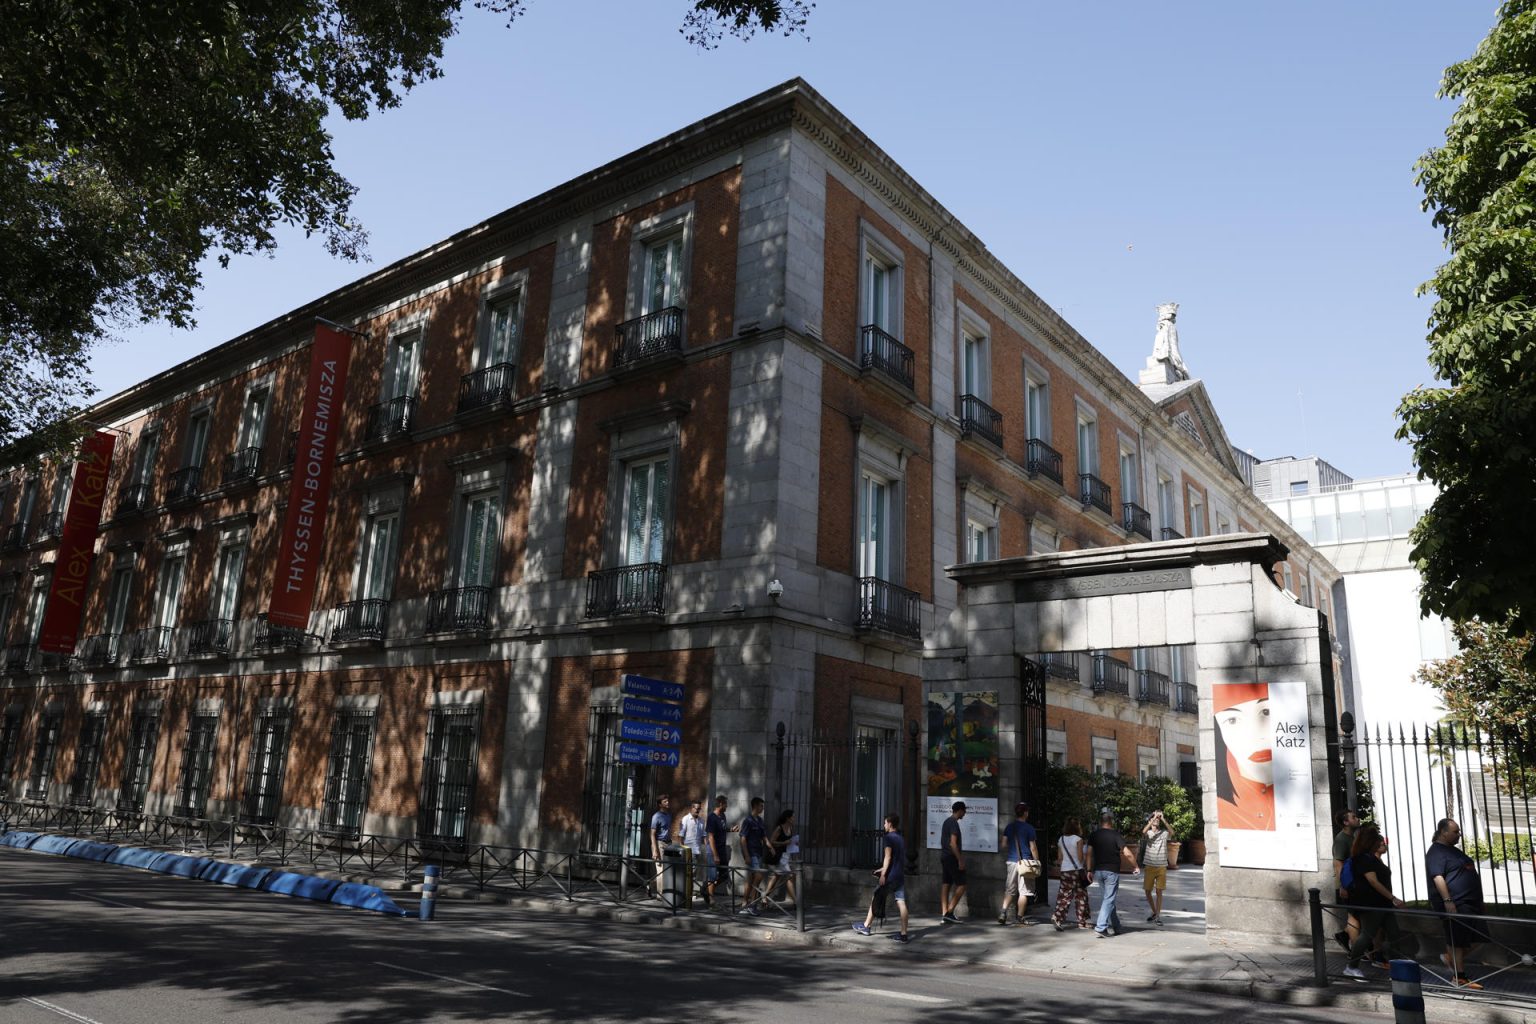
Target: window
401	362
646	493
503	328
253	419
974	368
1037	409
1298	488
1165	503
10	746
118	596
346	772
1087	444
479	538
1130	476
28	502
980	517
376	572
662	285
197	765
143	737
876	786
980	541
144	456
874	527
268	762
168	593
448	772
882	291
1196	512
37	603
63	484
1223	524
197	439
226	580
1289	583
82	783
1305	593
44	751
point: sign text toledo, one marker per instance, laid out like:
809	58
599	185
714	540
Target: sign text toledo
652	716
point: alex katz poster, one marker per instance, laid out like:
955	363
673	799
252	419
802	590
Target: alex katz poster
962	765
1264	809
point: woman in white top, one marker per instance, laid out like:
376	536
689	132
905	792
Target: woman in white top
1072	863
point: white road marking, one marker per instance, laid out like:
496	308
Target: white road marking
456	981
493	931
60	1011
103	899
908	996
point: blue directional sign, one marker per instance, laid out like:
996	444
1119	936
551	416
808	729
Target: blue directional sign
639	753
659	689
655	710
645	732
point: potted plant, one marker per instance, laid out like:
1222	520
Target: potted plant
1066	791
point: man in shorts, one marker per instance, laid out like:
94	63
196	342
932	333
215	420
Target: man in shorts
754	843
951	864
717	848
1023	864
892	875
1455	890
1348	822
1154	864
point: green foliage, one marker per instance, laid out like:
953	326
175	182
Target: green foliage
1501	847
1365	799
1474	433
1176	803
1067	791
1489	685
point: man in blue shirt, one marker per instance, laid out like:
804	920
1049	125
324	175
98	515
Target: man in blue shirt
1023	864
717	846
1455	890
661	834
754	841
891	877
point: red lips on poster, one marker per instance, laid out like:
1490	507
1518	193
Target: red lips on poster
77	546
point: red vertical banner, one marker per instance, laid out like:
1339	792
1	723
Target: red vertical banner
77	546
309	494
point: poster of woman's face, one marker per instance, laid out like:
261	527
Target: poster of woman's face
1247	733
1264	775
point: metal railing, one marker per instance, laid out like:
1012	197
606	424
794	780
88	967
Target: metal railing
359	620
1135	519
49	527
627	590
485	388
1093	493
883	354
152	643
390	419
18	658
1169	533
460	608
1060	666
270	637
979	418
15	538
100	650
185	485
889	608
1151	687
210	636
1042	460
1186	698
646	337
242	466
1111	675
132	500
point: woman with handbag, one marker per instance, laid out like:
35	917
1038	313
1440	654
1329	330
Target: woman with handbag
1072	866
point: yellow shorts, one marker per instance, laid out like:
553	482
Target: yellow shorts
1154	878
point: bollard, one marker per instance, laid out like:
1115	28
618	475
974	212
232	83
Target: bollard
429	875
1319	941
1407	996
799	897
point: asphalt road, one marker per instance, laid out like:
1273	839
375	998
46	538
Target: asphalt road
99	944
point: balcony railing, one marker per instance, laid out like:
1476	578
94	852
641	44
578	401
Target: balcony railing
391	418
1151	687
269	637
1060	666
627	590
1169	533
889	608
132	500
242	466
1042	460
486	388
18	658
979	418
646	337
1186	698
1093	492
186	484
100	651
1111	675
883	354
1135	519
50	527
211	636
360	620
152	643
15	538
462	608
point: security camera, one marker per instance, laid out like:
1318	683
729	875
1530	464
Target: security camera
775	589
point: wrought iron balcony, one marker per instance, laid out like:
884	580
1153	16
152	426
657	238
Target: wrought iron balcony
132	500
391	418
486	388
211	636
1093	492
979	418
1186	698
889	608
1042	460
270	637
50	527
1169	533
1060	666
883	354
1111	675
646	337
151	644
627	590
186	485
1135	519
1151	687
18	658
15	538
360	620
242	466
100	651
462	608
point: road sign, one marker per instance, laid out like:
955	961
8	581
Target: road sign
655	710
660	689
639	753
645	732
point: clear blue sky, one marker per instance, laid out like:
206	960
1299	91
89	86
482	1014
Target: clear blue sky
1252	162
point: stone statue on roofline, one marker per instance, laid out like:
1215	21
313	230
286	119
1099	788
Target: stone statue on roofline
1166	349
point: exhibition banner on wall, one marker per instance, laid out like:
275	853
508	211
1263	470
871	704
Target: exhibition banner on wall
962	765
1264	809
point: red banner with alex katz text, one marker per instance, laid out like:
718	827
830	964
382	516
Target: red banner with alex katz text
309	495
77	546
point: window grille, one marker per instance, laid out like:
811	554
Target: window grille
196	766
264	772
46	749
448	773
82	783
10	745
346	772
142	741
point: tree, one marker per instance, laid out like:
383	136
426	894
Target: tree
1489	687
138	138
1475	434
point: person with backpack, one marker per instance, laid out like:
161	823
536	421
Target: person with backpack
889	880
1348	822
1023	865
1371	893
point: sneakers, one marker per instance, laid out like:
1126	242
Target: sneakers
1355	973
748	910
1462	981
862	928
950	918
1102	935
1003	921
898	936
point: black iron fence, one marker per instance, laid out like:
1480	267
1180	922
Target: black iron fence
841	786
360	620
460	608
627	590
889	608
654	334
485	388
391	419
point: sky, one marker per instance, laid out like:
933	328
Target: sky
1252	162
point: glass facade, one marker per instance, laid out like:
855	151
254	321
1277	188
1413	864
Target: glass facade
1358	512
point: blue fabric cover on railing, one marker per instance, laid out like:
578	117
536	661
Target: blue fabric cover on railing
180	865
365	897
134	857
20	840
243	875
291	883
57	845
87	849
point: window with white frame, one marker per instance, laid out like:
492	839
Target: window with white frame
975	365
173	571
1043	538
196	446
144	456
63	484
197	763
980	541
1290	584
1037	407
875	526
1146	763
1130	475
479	533
1196	512
376	567
448	771
253	418
880	275
981	511
662	282
82	781
1106	756
143	739
1056	746
119	595
647	498
1305	593
501	332
28	502
44	750
1087	442
402	361
1166	507
37	603
227	576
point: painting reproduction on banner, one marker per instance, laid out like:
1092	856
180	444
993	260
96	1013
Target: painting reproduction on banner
963	765
1264	798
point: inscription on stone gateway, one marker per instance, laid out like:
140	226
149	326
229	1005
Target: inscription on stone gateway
1102	585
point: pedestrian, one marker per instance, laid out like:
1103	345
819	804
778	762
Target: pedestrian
1455	890
1105	848
690	832
1371	894
754	848
785	843
717	847
661	834
1072	866
890	877
1023	865
1153	860
951	864
1347	822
